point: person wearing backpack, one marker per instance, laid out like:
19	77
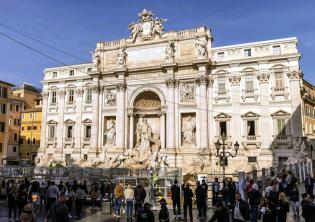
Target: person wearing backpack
164	214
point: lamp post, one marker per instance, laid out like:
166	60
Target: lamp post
223	155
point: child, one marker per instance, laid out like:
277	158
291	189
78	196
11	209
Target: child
163	214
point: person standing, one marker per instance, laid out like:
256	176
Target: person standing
254	197
13	199
294	198
94	195
164	214
241	211
79	200
309	184
140	195
220	213
283	208
176	199
52	194
58	211
205	197
307	208
215	191
118	194
129	197
22	197
188	195
199	199
145	214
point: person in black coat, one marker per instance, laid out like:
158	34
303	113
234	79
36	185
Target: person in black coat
309	184
294	198
220	213
308	208
164	214
139	195
145	214
254	201
176	198
199	198
241	210
188	195
283	207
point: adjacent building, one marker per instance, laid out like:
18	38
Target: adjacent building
166	98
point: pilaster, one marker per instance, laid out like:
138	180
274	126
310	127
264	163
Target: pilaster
120	118
60	126
96	90
78	120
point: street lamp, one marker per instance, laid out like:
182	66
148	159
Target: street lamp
223	155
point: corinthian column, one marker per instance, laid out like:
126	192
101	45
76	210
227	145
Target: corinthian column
95	118
60	133
120	118
170	140
202	82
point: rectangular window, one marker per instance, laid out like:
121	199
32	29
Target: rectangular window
249	84
29	128
221	85
88	98
279	80
54	74
2	127
34	141
31	115
0	147
220	56
281	127
252	159
247	52
54	97
3	92
87	133
29	141
34	127
11	107
14	149
223	128
71	96
69	132
85	156
17	108
251	131
2	108
15	136
51	132
71	72
276	50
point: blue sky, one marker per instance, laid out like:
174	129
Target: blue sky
76	25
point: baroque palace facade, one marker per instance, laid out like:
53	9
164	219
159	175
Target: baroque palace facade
164	98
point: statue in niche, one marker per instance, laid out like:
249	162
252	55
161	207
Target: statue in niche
201	45
143	132
188	92
121	57
188	130
170	52
110	133
110	97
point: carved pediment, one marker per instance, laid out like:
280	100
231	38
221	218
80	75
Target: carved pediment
280	113
222	116
250	114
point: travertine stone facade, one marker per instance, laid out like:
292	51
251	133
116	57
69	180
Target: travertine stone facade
174	92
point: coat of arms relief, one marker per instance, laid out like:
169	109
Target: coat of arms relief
147	27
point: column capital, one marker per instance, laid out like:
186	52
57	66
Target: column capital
235	80
171	82
263	78
121	87
96	89
61	92
45	94
202	80
130	112
295	75
79	91
211	80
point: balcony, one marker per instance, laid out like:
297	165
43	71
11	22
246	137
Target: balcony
251	140
69	142
253	93
281	140
52	142
222	95
228	140
279	91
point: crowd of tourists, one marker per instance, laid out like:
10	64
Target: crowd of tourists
236	201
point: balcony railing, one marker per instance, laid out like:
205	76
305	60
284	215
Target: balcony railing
222	95
249	93
279	91
251	138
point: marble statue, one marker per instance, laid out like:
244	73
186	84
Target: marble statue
135	29
121	57
201	45
189	128
110	133
143	132
188	92
170	52
110	97
96	60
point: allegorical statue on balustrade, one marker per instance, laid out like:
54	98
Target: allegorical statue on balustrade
201	45
121	57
